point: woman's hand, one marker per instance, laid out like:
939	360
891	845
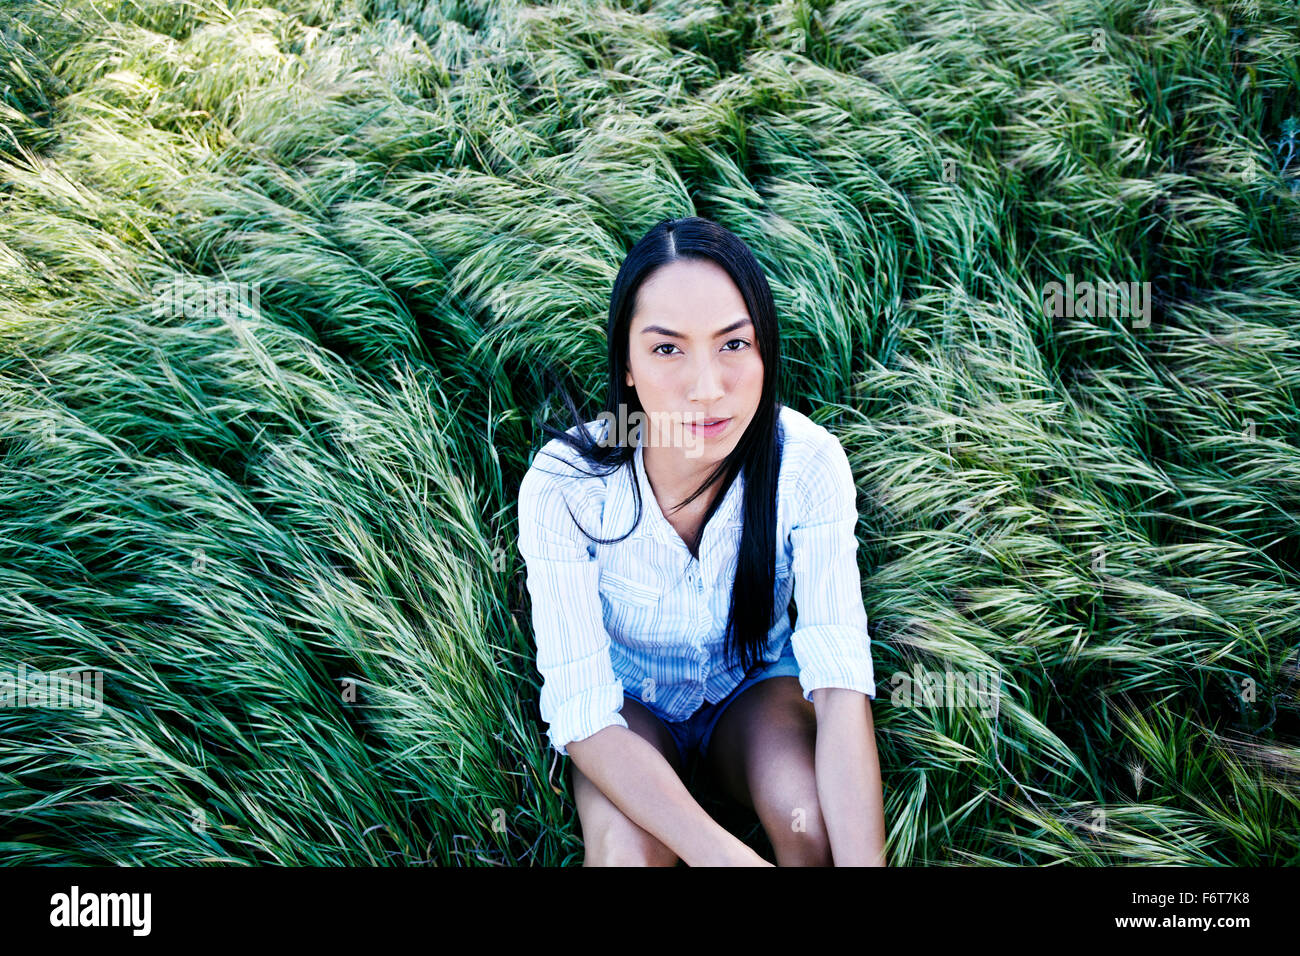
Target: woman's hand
737	854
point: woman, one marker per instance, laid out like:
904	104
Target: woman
661	582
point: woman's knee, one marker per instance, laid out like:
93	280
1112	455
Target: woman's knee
625	844
609	836
795	828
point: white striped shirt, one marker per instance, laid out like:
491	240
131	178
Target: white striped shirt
645	617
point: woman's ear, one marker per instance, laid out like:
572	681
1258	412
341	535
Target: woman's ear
628	378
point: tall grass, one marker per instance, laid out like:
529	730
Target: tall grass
284	530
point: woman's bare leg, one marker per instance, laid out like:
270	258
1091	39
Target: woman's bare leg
762	752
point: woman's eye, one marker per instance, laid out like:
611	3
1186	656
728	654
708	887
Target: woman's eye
668	345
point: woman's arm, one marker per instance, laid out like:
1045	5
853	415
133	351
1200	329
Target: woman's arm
833	647
640	782
848	777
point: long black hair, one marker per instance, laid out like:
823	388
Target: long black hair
758	453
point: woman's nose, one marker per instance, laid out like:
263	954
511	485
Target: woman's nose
708	385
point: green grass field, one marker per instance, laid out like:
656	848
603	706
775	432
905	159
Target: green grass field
280	283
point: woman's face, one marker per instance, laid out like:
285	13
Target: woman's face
693	358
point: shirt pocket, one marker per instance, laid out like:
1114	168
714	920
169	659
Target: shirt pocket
632	609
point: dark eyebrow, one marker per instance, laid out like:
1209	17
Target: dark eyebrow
660	330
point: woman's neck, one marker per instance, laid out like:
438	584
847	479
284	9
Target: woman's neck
674	477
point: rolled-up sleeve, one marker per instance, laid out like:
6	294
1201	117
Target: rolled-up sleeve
830	639
580	694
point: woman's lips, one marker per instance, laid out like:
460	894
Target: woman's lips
704	429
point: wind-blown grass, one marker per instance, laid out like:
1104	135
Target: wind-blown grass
285	534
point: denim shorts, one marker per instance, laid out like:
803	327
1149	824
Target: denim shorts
696	730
